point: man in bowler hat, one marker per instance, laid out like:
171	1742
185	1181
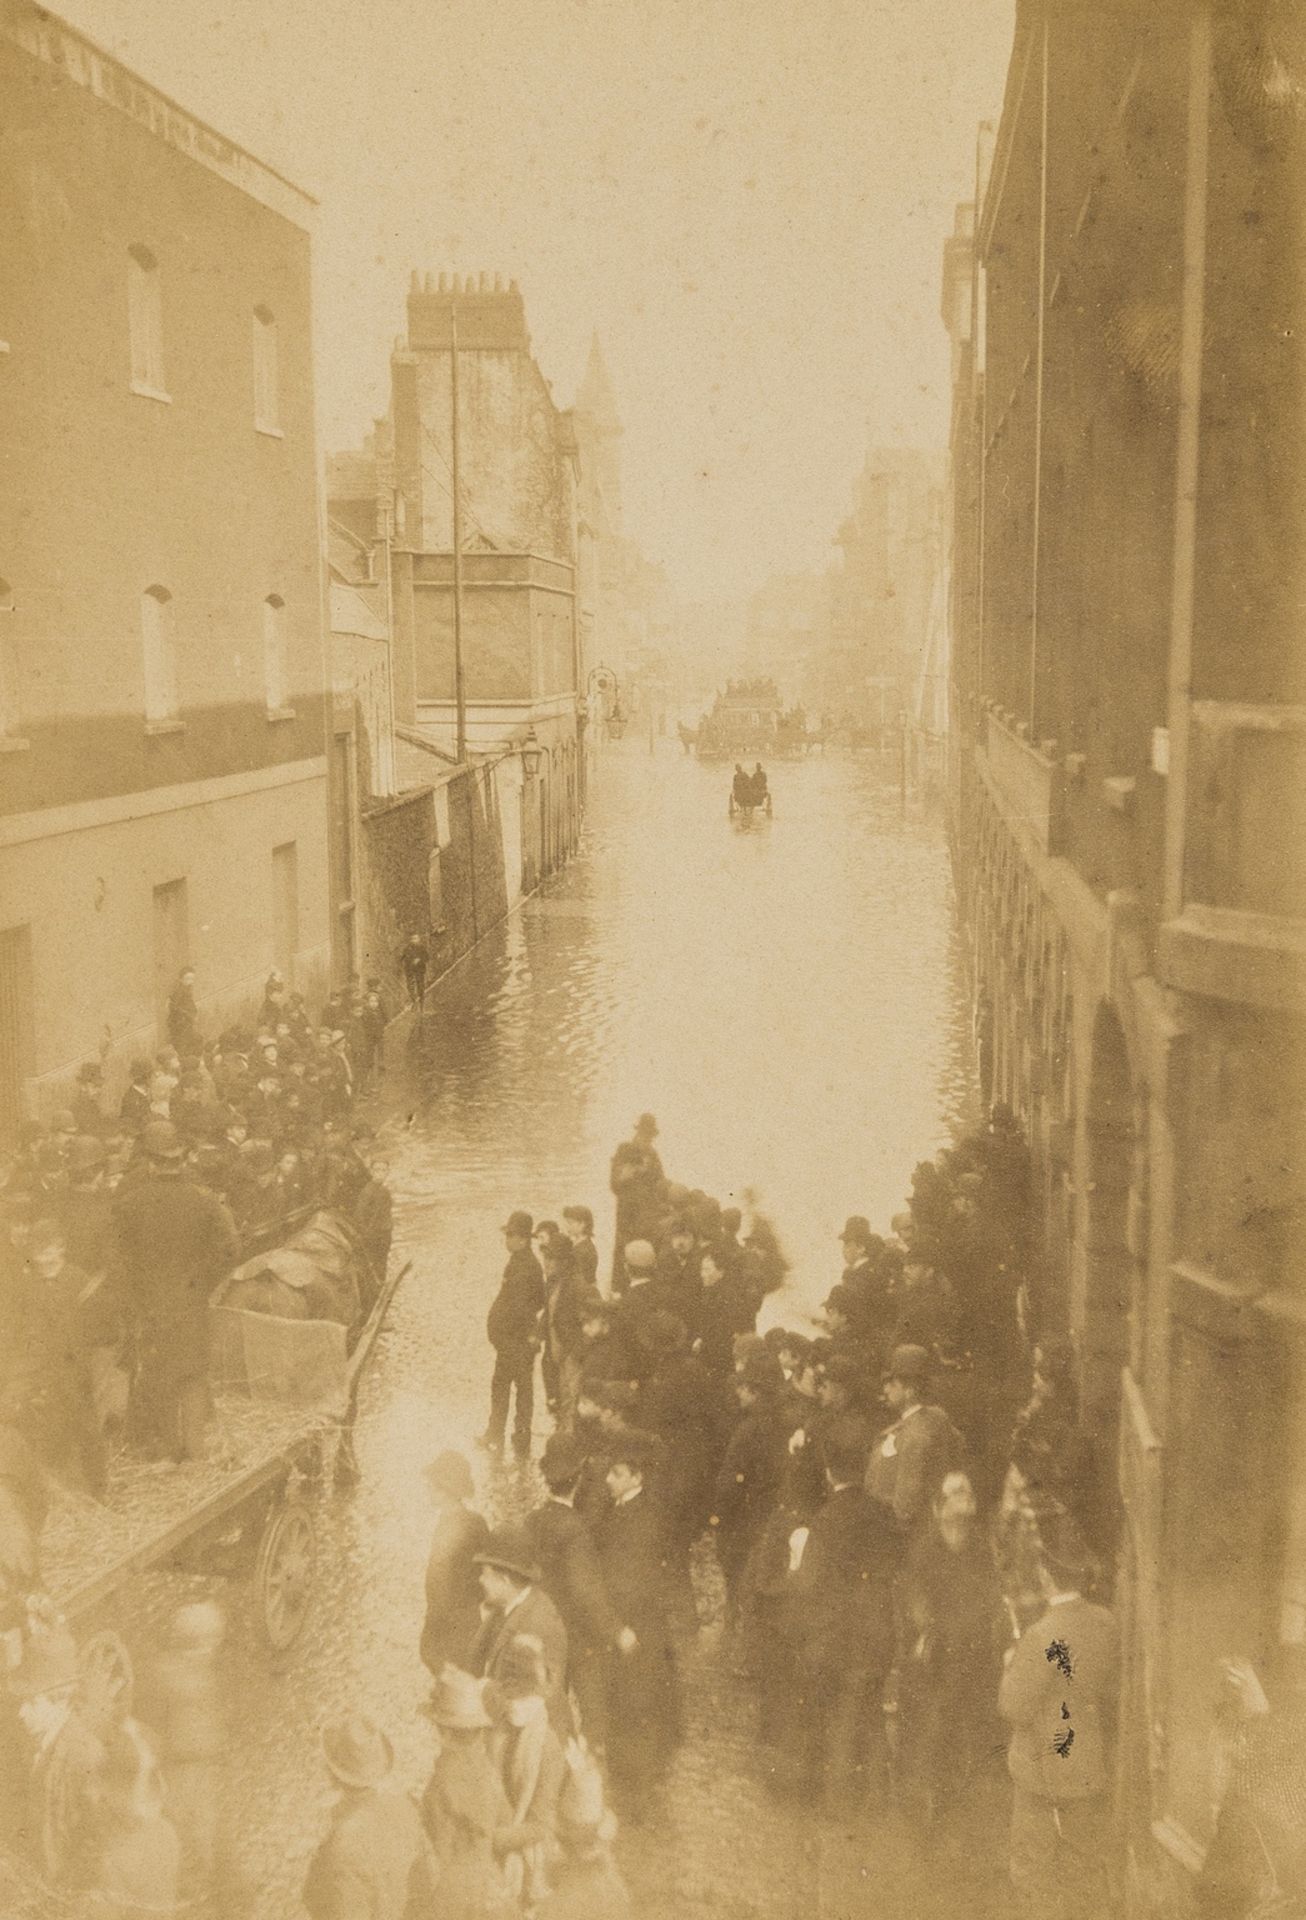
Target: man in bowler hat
513	1329
516	1603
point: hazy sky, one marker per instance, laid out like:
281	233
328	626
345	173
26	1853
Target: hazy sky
747	198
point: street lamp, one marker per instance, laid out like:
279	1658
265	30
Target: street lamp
531	753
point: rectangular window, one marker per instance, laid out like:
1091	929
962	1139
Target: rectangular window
274	652
171	943
267	397
285	908
159	654
145	321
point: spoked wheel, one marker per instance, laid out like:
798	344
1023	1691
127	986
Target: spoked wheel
106	1681
285	1573
104	1700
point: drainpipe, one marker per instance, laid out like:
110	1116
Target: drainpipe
1040	348
1187	453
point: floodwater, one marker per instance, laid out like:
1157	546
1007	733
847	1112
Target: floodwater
787	1001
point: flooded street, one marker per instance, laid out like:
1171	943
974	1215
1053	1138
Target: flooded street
786	1001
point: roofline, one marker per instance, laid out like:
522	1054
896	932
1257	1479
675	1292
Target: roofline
47	37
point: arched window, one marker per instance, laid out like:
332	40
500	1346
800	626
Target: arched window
145	322
267	397
274	652
159	653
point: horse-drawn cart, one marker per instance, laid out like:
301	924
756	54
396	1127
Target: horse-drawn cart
285	1397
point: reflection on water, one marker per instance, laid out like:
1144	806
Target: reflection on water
786	1000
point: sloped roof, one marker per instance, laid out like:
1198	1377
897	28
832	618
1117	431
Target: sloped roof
351	613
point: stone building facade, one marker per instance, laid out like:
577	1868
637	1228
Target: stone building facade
524	673
1128	786
162	667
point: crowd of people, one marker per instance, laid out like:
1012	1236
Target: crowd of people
121	1217
899	1531
896	1505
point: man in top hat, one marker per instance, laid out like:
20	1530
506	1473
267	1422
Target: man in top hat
373	1860
516	1603
1058	1696
174	1240
572	1576
640	1187
512	1327
910	1458
134	1110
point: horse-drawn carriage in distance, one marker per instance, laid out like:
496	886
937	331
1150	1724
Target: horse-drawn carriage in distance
748	720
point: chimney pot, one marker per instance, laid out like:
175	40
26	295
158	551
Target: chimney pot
513	287
414	283
444	283
484	283
426	284
498	283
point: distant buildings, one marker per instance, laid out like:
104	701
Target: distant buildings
162	673
1128	708
879	592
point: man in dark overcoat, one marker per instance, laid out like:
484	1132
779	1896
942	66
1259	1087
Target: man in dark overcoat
513	1329
514	1604
571	1573
644	1706
173	1242
640	1187
838	1617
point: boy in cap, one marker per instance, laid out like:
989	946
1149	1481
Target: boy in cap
464	1805
373	1859
528	1755
512	1327
587	1884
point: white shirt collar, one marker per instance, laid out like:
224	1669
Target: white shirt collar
1064	1599
515	1602
626	1498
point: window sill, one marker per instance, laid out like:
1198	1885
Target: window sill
14	743
155	729
269	433
277	714
151	393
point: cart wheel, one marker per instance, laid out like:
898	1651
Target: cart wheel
284	1574
105	1687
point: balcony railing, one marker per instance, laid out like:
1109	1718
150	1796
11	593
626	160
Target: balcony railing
1031	784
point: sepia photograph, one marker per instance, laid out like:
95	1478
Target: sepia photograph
653	960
